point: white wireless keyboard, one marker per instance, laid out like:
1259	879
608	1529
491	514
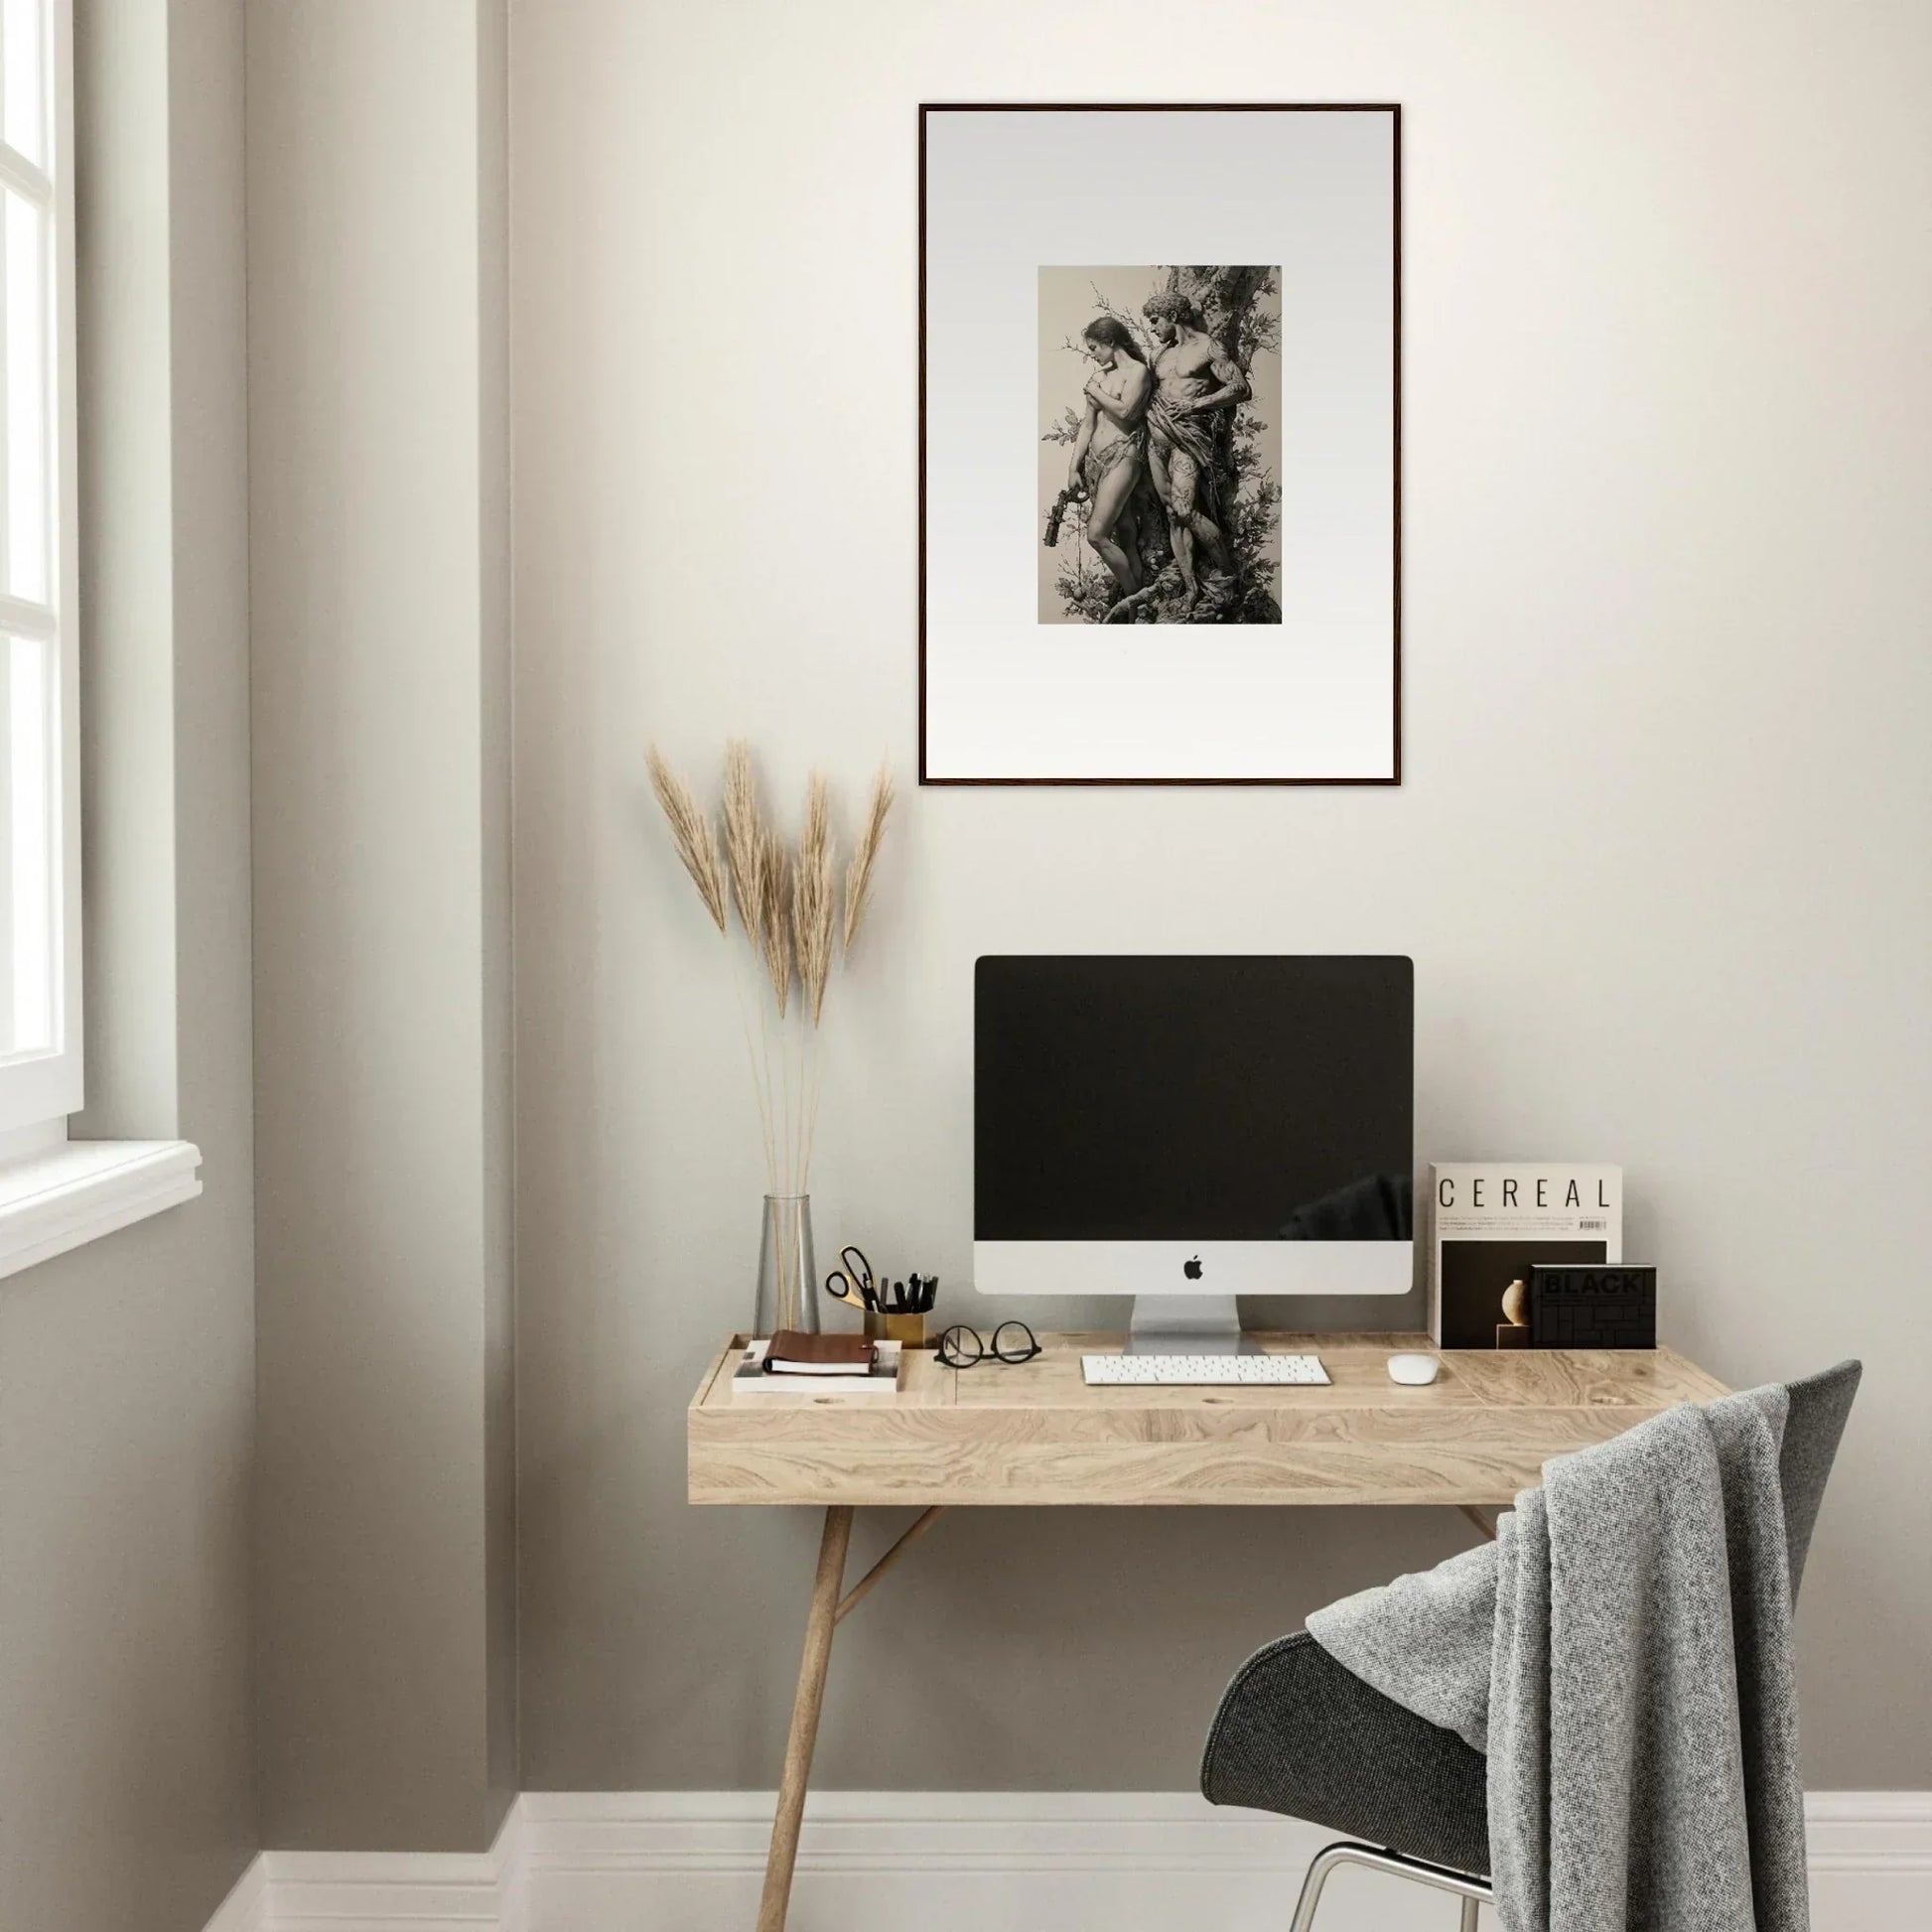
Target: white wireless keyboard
1201	1371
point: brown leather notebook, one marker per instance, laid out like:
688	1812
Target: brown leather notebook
793	1352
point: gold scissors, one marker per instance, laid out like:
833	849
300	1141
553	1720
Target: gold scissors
852	1281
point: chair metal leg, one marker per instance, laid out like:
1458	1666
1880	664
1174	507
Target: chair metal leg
1325	1863
1471	1890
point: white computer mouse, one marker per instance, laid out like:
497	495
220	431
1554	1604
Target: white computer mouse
1413	1369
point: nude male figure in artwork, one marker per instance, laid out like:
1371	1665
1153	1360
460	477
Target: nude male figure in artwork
1194	376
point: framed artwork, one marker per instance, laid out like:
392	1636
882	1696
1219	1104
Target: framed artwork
1159	501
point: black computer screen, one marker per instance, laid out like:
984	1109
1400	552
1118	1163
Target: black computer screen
1193	1098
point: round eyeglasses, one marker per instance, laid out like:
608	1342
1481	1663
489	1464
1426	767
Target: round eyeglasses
962	1347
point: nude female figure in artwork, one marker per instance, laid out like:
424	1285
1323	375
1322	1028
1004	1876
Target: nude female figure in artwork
1110	452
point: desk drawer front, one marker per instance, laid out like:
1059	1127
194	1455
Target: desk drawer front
1207	1454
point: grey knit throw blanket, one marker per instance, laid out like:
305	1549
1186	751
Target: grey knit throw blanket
1623	1652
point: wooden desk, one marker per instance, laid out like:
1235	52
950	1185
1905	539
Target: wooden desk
1033	1433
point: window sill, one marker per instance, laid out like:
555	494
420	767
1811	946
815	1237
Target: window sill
82	1190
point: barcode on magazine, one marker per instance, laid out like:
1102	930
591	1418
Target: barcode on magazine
1593	1227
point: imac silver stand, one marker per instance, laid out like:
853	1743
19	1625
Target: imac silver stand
1186	1324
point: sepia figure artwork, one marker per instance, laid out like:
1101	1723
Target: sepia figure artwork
1159	502
1160	463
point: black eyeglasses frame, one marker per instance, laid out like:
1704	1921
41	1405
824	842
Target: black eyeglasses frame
949	1357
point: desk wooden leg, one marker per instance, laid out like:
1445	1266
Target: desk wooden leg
805	1706
857	1592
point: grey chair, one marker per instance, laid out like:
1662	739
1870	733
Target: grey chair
1299	1734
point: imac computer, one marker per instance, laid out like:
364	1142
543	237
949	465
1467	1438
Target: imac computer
1185	1130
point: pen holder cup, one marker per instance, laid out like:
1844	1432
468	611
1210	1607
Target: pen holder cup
908	1329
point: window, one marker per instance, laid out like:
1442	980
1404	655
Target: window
55	1192
40	833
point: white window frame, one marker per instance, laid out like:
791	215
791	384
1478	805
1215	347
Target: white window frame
55	1193
38	1089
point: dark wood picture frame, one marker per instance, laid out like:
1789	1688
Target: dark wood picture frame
1394	111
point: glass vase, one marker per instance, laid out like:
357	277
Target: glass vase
787	1277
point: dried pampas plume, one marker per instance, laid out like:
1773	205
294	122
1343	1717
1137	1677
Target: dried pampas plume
744	839
813	896
691	835
865	855
789	906
775	921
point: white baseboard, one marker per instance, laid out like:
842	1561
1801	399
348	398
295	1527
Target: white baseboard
1871	1859
950	1862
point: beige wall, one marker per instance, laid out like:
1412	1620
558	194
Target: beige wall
1660	856
127	1795
379	582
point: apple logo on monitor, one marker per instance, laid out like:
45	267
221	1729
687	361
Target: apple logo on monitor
1192	1268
